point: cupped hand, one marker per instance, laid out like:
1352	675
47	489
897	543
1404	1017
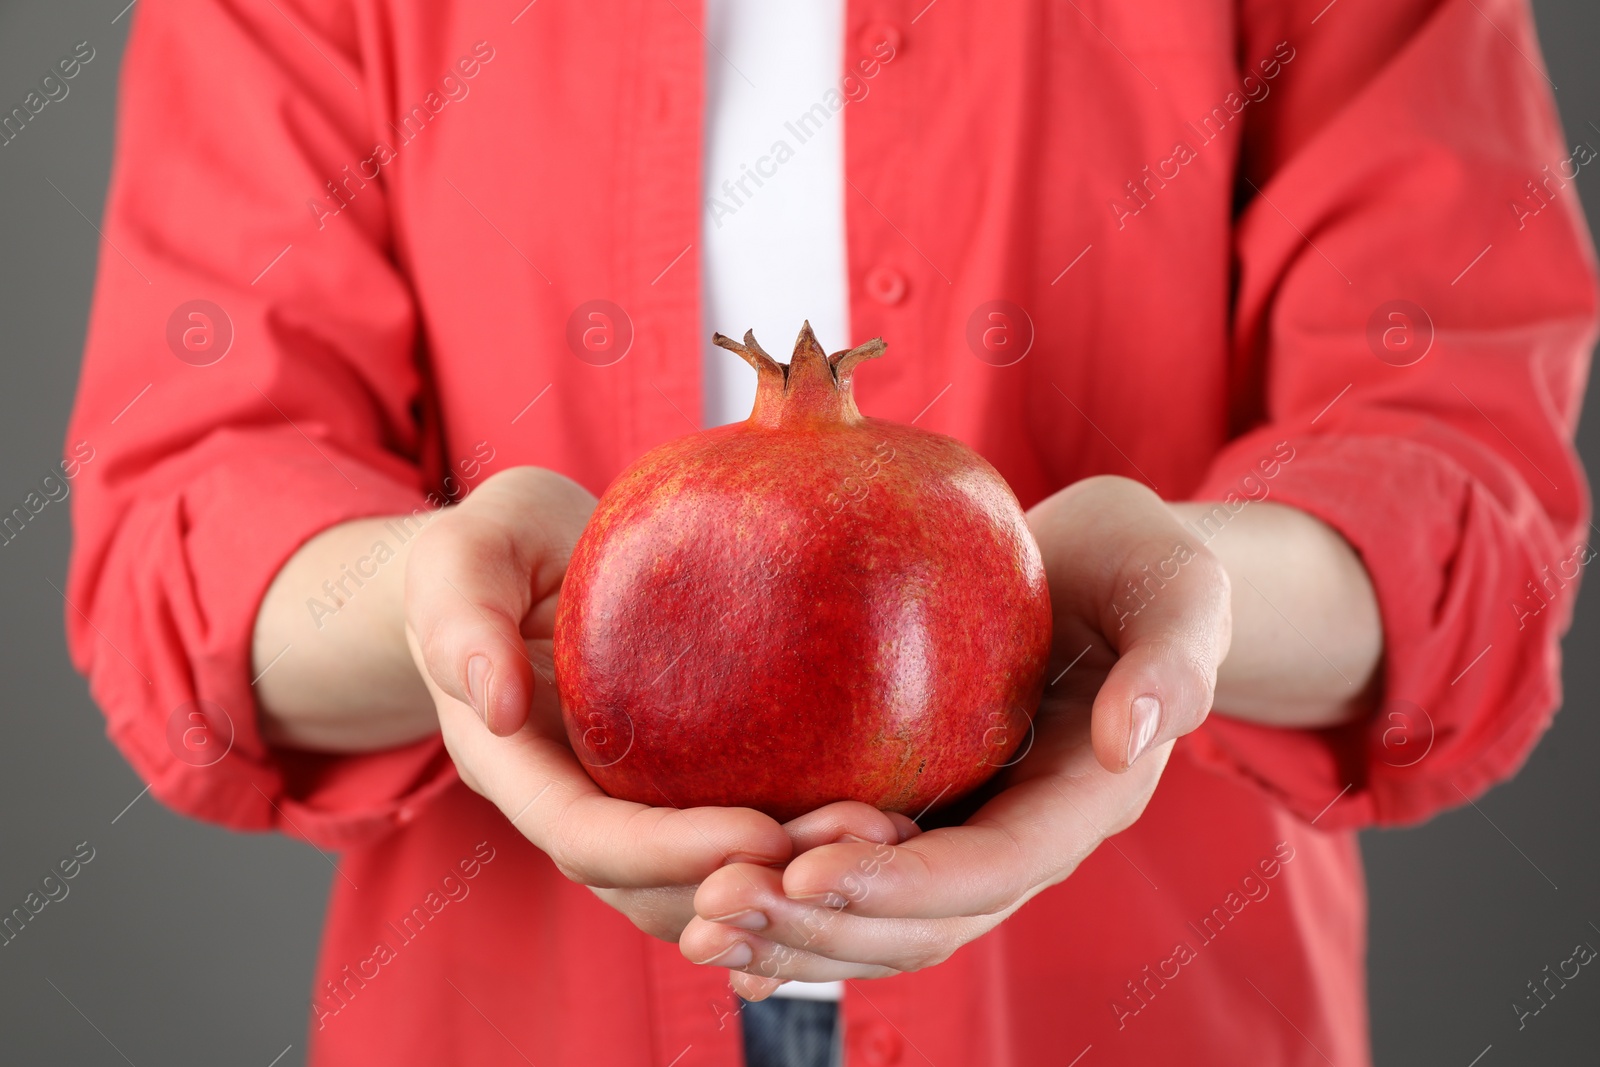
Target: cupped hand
481	588
1142	622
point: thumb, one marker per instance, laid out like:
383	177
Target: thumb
474	577
1170	620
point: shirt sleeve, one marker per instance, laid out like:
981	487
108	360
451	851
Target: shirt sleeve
250	379
1415	307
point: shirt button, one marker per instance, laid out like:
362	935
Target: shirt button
886	285
877	1044
875	33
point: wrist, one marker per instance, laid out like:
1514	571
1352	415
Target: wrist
331	666
1308	636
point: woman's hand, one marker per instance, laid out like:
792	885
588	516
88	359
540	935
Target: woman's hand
1133	668
480	598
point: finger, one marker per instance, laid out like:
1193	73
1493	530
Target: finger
845	820
752	987
472	578
904	825
592	838
714	945
751	899
661	912
1030	836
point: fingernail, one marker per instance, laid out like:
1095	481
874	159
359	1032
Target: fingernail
1146	718
477	686
734	956
744	920
854	840
829	899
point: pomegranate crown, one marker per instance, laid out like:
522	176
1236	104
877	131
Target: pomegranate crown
811	387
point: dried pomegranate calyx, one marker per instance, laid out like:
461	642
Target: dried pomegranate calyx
812	386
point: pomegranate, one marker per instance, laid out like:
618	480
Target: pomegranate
805	607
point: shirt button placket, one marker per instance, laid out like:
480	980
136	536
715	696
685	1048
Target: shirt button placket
886	276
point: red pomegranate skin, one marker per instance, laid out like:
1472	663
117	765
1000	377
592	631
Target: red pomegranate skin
806	607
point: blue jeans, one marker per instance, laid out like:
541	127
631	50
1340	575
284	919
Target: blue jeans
784	1032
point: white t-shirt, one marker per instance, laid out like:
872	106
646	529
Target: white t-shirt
773	223
773	250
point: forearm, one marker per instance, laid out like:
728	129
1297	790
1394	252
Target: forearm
1307	636
1307	639
347	682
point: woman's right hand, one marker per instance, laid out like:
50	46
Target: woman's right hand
480	604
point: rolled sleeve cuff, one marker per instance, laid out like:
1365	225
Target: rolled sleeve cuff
181	590
1468	686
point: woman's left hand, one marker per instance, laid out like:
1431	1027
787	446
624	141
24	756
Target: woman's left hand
1130	672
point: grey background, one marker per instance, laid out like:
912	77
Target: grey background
182	943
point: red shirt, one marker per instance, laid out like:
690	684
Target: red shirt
1203	209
